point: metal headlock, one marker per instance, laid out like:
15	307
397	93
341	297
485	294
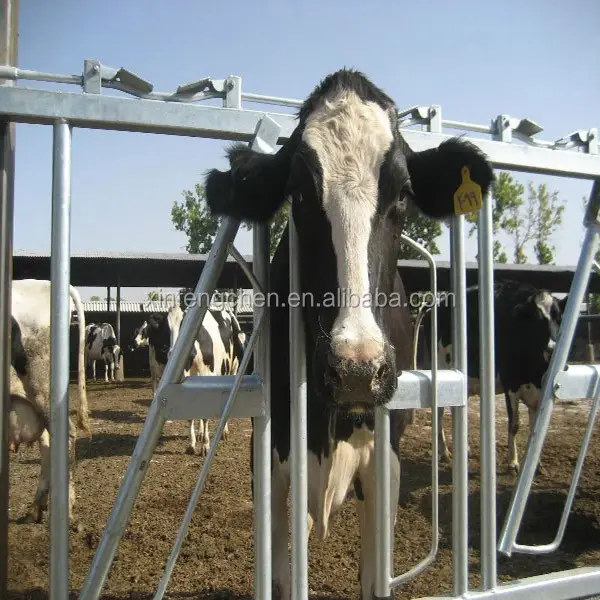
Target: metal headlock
181	113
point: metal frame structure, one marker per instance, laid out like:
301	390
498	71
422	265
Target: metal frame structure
249	395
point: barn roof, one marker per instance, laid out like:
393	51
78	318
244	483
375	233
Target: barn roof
93	269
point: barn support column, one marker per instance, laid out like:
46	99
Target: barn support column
9	10
120	373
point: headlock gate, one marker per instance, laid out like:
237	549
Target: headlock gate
249	395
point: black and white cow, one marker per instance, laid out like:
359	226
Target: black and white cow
526	323
352	179
218	350
101	344
29	409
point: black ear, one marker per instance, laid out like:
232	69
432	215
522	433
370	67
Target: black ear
254	188
436	174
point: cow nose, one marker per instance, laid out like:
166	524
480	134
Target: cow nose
351	374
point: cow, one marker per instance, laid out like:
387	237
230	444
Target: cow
29	410
101	344
526	324
217	350
351	179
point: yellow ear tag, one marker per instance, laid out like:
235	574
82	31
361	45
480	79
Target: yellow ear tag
467	197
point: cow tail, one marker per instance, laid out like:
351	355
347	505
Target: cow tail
83	421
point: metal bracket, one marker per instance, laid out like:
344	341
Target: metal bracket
523	129
92	77
95	74
587	139
233	92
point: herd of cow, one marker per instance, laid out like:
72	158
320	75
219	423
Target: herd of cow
352	181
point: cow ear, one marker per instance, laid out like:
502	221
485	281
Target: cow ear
436	175
254	188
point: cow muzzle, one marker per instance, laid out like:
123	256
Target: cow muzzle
360	384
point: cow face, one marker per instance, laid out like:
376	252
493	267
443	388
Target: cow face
351	179
539	318
140	337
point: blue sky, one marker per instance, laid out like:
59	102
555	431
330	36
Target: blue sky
476	59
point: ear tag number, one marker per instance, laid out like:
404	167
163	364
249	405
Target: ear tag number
467	197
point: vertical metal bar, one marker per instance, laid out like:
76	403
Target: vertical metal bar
383	537
262	425
487	396
142	453
559	358
9	10
298	424
118	332
460	495
60	267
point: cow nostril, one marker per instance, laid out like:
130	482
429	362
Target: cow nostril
382	371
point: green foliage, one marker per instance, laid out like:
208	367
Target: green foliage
423	230
95	299
532	221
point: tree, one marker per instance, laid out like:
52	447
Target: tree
192	217
534	221
95	299
507	196
549	217
423	230
155	296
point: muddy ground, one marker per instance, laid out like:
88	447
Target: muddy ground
217	558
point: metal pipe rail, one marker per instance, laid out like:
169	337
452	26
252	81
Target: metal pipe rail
385	548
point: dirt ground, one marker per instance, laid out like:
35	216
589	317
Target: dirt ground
217	559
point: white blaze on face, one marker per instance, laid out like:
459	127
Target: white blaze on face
351	138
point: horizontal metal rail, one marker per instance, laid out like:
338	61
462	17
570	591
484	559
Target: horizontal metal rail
96	111
564	585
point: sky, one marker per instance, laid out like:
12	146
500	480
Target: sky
536	59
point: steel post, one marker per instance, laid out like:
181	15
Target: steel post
383	534
60	268
262	425
298	426
9	10
487	396
460	464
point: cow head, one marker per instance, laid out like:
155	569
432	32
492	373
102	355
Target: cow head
352	180
539	319
140	337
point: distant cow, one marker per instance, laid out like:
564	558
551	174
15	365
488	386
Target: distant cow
527	320
218	350
29	412
351	180
101	344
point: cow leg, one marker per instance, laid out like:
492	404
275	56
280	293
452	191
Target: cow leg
532	397
204	438
191	449
225	431
280	485
93	370
40	500
367	514
512	410
443	449
106	369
